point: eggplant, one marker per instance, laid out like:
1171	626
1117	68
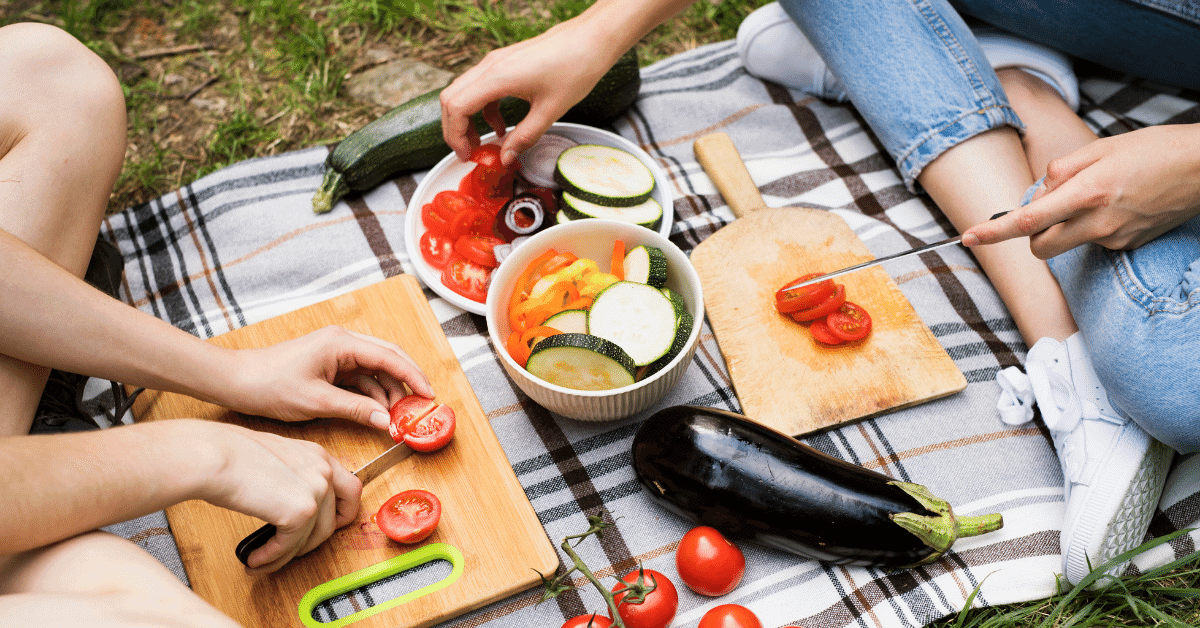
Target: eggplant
723	470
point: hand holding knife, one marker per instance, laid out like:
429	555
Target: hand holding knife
879	260
365	474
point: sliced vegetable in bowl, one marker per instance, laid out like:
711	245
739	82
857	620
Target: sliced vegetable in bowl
469	201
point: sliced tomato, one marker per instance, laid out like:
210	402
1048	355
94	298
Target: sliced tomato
431	431
466	277
436	218
473	221
436	248
406	409
478	249
821	332
830	304
788	301
409	516
443	212
488	156
849	322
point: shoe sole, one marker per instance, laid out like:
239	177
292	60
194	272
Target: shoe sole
1116	515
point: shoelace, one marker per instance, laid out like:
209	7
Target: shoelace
1019	392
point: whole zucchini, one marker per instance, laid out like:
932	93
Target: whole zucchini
409	137
723	470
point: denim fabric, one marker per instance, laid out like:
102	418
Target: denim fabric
912	69
1139	312
1157	40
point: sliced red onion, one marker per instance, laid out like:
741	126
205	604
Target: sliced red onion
523	214
537	163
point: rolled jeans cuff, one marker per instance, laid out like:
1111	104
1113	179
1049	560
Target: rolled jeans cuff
913	161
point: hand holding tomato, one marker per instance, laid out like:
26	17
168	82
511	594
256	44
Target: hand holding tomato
422	423
708	563
332	372
660	603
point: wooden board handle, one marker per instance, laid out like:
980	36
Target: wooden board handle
723	164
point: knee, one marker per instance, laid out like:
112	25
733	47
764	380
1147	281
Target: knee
59	79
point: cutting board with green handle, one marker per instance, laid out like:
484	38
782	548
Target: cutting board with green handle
501	546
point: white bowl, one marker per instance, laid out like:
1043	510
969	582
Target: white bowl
450	170
593	238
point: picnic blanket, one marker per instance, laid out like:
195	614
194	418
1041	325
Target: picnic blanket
242	245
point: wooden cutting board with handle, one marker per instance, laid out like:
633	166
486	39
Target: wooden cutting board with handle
485	513
782	376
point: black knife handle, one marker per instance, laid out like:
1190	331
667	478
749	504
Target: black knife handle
253	541
995	216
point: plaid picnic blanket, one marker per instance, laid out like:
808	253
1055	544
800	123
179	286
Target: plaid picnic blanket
241	245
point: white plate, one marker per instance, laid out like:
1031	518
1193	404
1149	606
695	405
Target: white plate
449	171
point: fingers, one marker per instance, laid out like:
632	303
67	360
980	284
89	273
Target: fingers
528	132
387	358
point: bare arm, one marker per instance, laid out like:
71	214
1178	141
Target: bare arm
552	71
57	486
45	311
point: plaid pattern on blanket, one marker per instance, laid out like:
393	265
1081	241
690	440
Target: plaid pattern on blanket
242	245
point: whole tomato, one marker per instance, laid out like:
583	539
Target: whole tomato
730	616
657	610
588	621
708	563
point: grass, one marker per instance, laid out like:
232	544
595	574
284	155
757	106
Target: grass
265	76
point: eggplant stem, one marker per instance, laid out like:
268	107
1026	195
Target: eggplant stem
943	528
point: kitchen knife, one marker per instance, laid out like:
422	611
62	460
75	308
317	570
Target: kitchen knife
368	472
879	260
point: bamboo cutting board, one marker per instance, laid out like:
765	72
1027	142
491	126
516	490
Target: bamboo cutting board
783	378
485	513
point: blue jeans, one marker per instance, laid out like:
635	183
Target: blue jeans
915	73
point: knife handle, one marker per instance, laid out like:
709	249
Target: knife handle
253	541
723	164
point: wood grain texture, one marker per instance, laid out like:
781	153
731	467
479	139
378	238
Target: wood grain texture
486	514
782	376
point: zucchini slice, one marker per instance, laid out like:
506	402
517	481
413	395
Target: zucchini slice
603	175
686	320
569	321
647	213
637	317
648	265
582	362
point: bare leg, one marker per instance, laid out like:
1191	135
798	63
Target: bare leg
983	176
98	579
1052	129
62	142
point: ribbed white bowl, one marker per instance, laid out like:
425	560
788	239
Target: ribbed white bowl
593	238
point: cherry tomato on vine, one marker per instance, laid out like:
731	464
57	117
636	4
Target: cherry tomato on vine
409	516
730	616
588	621
708	563
659	607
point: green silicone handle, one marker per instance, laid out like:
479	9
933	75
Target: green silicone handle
375	573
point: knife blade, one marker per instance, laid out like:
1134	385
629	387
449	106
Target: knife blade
365	474
879	260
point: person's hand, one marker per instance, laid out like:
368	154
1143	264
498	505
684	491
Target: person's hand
552	71
331	372
294	484
1119	192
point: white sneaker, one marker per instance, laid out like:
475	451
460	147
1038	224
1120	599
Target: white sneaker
1113	471
772	47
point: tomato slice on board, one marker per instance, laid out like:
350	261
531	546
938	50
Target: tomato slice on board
821	332
432	431
849	322
421	423
788	301
830	304
436	248
409	516
478	249
466	278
